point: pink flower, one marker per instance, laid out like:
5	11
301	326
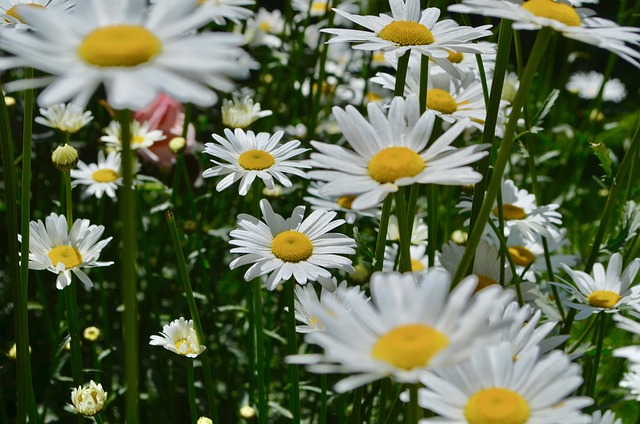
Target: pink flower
167	115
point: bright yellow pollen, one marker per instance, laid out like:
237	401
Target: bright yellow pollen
256	160
496	405
137	140
510	212
181	343
441	101
484	281
119	46
521	255
292	246
14	13
407	33
409	346
104	176
393	163
416	265
264	26
553	10
68	255
455	57
345	201
603	298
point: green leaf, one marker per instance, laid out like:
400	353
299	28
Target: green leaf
602	153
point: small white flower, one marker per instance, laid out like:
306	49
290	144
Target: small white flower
141	137
419	230
587	85
486	262
100	178
419	258
180	338
90	400
607	418
240	112
68	118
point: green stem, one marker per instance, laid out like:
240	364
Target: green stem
384	396
193	310
128	261
432	214
292	349
404	250
192	391
356	408
413	410
74	332
259	328
584	334
323	398
98	418
381	242
537	53
596	360
505	251
424	82
401	74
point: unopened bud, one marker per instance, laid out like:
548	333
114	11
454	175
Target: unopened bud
64	157
177	145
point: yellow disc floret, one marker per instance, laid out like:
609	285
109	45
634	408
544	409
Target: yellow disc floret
484	281
416	265
521	255
13	12
496	405
104	176
68	255
455	57
409	346
345	201
256	160
603	299
553	10
510	212
407	33
393	163
292	246
119	46
441	101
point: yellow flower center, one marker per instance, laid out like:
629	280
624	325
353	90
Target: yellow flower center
510	212
455	57
137	140
393	163
484	281
183	344
553	10
119	46
104	176
14	13
603	299
496	405
256	160
292	246
68	255
345	201
409	346
265	26
407	33
441	101
521	255
416	265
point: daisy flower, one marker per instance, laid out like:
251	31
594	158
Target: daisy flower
407	328
100	178
578	24
493	388
419	230
240	112
608	291
90	400
294	247
419	258
137	51
341	203
245	155
587	85
409	28
142	136
631	381
10	18
55	248
607	418
389	152
179	337
68	118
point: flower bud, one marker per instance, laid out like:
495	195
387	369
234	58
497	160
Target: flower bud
64	157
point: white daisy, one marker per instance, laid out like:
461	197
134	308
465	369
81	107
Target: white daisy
265	28
391	151
631	381
341	203
90	400
180	338
412	29
419	230
579	24
608	291
587	85
607	418
240	112
141	137
407	328
294	247
61	251
631	353
493	388
245	155
67	118
10	18
102	177
137	51
419	258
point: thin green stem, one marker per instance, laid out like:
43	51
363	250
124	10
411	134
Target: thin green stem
192	391
404	250
413	410
98	419
356	407
401	74
74	332
381	242
537	53
424	82
128	259
259	329
384	396
292	349
512	265
583	336
596	360
323	398
432	214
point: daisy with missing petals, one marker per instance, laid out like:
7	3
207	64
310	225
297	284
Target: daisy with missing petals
579	24
608	291
407	328
102	177
9	17
137	51
54	248
141	137
240	112
493	388
294	247
68	118
245	155
412	29
389	152
180	338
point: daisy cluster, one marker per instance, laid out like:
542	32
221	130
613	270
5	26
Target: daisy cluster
448	226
